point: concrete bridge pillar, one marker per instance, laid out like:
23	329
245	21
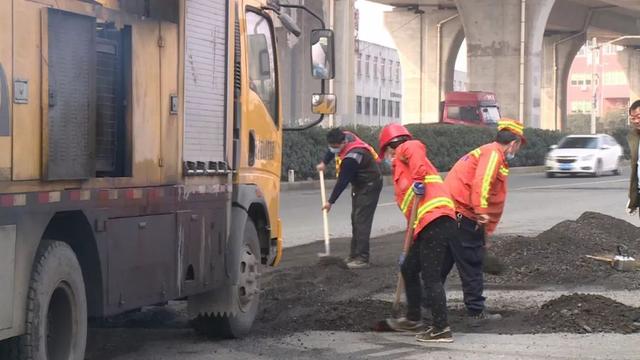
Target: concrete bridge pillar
493	31
345	62
630	60
428	41
559	52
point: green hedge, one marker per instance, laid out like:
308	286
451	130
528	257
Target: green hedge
445	145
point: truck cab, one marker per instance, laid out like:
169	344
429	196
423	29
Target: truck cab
476	108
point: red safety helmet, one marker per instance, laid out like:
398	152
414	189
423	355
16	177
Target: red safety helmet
391	132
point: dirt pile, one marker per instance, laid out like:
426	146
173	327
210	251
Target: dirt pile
322	296
585	313
307	293
557	256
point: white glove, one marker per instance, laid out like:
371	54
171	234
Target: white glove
631	211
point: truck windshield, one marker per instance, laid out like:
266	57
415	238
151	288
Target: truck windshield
491	114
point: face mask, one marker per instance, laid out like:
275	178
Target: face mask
388	161
335	150
510	156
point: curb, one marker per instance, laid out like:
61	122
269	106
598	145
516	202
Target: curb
329	183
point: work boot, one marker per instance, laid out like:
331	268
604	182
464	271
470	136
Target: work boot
348	259
433	335
405	325
480	318
357	264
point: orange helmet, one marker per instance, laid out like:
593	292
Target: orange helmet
391	132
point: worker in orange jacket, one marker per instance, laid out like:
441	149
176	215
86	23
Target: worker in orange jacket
478	185
414	175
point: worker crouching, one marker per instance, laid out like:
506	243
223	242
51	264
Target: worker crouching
478	185
415	176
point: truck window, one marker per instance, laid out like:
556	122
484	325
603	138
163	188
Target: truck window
491	114
453	112
469	113
262	69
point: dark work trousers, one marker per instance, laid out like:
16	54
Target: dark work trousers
426	257
364	201
467	251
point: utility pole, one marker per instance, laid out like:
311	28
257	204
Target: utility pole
332	6
595	58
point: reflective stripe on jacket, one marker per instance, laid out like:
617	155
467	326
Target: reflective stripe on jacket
478	184
411	164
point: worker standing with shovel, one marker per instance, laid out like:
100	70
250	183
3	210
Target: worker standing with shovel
356	164
415	176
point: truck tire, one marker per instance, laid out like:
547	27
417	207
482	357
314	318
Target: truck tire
245	296
56	327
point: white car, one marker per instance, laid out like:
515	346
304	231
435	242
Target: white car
584	154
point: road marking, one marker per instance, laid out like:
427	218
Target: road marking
386	204
404	351
569	185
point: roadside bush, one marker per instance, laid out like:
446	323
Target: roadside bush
445	145
620	134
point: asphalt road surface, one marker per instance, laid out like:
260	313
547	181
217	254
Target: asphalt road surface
534	203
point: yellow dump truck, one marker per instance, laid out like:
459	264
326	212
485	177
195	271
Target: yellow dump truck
140	160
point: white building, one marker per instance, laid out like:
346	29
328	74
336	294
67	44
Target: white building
460	81
378	86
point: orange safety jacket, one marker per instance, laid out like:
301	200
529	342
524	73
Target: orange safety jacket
409	165
478	184
353	142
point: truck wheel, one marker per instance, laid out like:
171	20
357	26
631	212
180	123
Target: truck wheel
56	327
245	297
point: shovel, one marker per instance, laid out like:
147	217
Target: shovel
408	237
325	218
619	262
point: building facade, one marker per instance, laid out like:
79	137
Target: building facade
460	81
378	85
597	81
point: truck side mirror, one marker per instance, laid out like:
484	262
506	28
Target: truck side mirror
323	104
552	147
322	54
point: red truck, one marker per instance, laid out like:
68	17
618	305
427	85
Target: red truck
469	108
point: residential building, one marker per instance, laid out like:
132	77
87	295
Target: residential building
597	81
378	87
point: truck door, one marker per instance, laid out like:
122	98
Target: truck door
261	128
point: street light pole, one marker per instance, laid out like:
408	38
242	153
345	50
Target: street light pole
594	77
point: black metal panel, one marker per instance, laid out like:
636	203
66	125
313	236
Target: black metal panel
5	106
72	96
110	127
142	260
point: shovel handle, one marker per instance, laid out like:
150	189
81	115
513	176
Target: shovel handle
408	237
600	258
325	218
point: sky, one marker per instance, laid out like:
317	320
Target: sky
372	29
